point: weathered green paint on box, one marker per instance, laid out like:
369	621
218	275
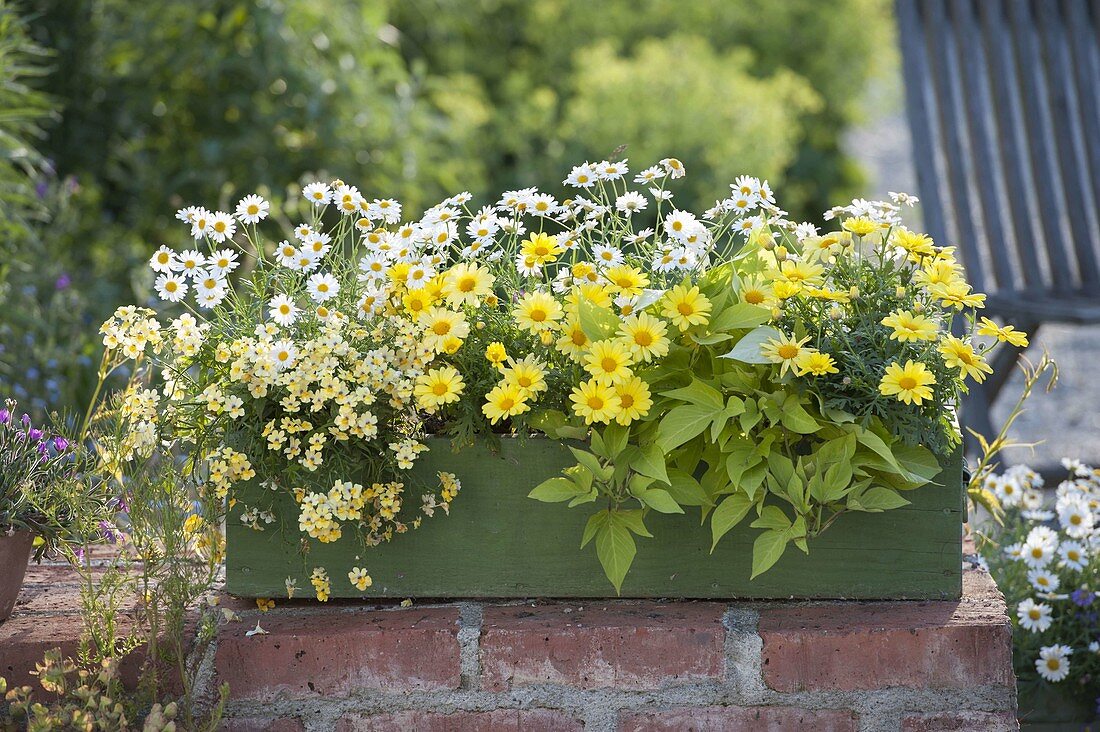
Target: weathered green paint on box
498	543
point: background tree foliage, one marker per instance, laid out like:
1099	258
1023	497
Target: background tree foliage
199	101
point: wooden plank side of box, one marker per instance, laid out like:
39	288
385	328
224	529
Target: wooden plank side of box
497	543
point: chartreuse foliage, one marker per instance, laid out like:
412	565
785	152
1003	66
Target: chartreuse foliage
729	436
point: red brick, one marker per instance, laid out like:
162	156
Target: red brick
846	646
336	653
625	645
254	724
757	719
497	720
960	722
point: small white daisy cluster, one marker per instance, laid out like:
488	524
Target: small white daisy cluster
1049	567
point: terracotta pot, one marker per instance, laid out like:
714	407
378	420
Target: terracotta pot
15	552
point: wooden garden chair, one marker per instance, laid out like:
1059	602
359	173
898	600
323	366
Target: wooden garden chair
1003	100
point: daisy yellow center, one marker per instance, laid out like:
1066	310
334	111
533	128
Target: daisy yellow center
1037	553
163	257
318	195
209	283
1042	581
1072	556
525	381
685	308
322	287
439	389
284	309
625	281
627	400
223	262
754	297
219	226
507	403
907	382
1054	664
787	351
607	255
643	338
1034	613
283	355
579	338
253	209
595	402
609	364
677	225
1075	519
441	328
171	286
538	315
466	284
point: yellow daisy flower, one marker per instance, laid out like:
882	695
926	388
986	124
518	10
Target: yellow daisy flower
438	387
504	401
755	291
783	351
910	383
957	295
496	354
645	336
529	375
686	306
918	245
635	400
595	402
626	280
960	355
440	324
910	327
466	284
608	361
1003	333
573	341
416	302
860	226
812	361
594	292
938	272
537	311
540	248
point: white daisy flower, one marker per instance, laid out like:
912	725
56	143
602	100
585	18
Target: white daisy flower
650	174
187	215
170	287
386	209
252	209
1075	516
222	262
679	224
660	194
443	234
305	261
283	354
631	202
201	219
1094	646
162	260
283	310
1038	552
804	231
1034	616
222	227
746	185
582	176
317	244
611	171
528	267
322	287
543	204
347	198
1073	555
607	256
210	290
674	167
1015	551
1053	662
301	231
1043	581
317	193
189	263
286	254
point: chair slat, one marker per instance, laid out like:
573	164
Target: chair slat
1066	118
1011	137
1041	150
1084	29
982	133
921	110
942	50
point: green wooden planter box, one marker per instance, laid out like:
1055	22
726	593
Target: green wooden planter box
497	543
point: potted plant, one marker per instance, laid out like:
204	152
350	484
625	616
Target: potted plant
1043	556
609	351
45	506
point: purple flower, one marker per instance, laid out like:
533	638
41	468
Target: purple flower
5	416
63	282
41	189
26	420
60	444
108	531
43	448
1082	597
34	434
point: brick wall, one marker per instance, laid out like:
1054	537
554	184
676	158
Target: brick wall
920	666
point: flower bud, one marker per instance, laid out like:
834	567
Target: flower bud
835	313
899	292
780	253
853	292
